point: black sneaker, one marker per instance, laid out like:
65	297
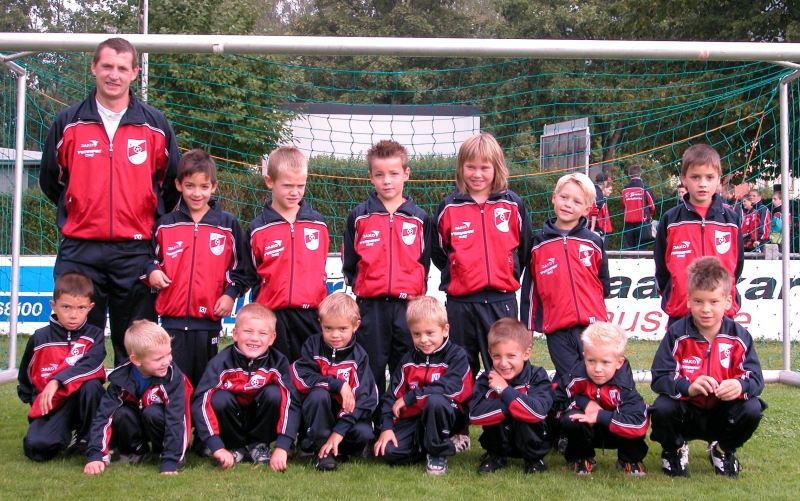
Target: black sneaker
76	447
724	463
260	454
534	466
672	464
583	466
631	469
490	463
562	445
328	463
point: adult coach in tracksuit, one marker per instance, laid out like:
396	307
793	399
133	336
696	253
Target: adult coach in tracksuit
109	163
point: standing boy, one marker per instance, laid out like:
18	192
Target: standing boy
246	398
385	258
707	376
200	267
289	244
109	164
639	206
511	401
428	395
339	391
700	226
564	288
598	405
146	405
61	373
761	234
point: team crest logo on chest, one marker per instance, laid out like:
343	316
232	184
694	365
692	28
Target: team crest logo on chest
76	353
343	374
255	382
501	217
311	238
409	233
137	151
217	243
725	355
154	398
722	240
585	253
613	396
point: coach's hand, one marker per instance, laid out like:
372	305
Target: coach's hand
158	280
224	306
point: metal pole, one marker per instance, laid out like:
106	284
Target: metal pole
16	226
784	133
145	55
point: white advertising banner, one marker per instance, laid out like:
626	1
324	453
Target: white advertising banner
634	303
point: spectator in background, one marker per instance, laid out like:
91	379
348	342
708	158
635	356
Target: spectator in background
604	217
776	223
750	224
763	229
638	203
598	206
681	193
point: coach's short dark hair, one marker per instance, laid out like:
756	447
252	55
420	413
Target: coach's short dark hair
708	274
120	46
74	284
197	161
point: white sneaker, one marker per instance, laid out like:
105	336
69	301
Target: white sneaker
684	450
461	442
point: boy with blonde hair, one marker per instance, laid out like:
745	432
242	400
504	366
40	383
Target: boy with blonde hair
427	399
289	244
564	288
246	399
339	392
598	406
707	376
147	401
511	401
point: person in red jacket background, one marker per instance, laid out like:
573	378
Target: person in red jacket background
639	206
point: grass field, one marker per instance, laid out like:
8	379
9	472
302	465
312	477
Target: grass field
769	471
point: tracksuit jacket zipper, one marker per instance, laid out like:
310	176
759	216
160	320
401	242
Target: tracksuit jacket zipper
485	250
569	271
191	281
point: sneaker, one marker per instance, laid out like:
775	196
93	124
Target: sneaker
631	469
133	458
239	455
490	463
671	464
562	445
684	450
328	463
181	465
436	465
76	447
201	449
534	466
461	442
724	463
583	466
260	454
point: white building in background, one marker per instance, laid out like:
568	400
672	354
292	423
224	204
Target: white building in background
30	166
348	130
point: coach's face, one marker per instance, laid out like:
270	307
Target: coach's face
114	71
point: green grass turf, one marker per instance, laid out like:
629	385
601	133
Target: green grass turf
769	471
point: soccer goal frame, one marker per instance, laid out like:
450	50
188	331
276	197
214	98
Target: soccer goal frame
15	46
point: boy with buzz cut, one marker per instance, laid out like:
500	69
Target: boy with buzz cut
61	373
246	399
707	376
567	280
428	396
289	244
598	406
699	226
511	401
386	256
200	266
147	401
339	391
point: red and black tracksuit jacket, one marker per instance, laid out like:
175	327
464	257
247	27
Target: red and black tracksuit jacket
232	371
684	355
683	236
321	366
624	411
110	191
387	255
567	279
638	202
289	258
173	391
481	247
751	228
444	372
204	260
69	357
527	398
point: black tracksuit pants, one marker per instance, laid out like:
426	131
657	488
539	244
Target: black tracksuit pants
517	439
241	426
582	439
319	411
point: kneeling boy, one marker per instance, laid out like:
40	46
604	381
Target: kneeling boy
598	405
339	391
708	377
428	394
511	401
147	401
61	374
246	399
